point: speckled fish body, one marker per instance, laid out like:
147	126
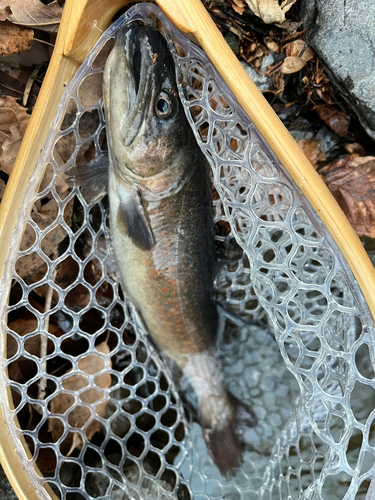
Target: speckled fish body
162	223
165	258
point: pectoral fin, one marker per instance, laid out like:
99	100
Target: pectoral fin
92	178
132	220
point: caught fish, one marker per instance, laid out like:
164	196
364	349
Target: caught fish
161	222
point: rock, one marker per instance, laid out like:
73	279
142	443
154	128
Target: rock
232	40
329	140
343	36
261	81
6	491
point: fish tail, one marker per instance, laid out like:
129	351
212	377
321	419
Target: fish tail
221	413
224	446
222	434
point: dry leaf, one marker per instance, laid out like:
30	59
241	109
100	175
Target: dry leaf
338	121
30	267
289	26
272	45
238	6
14	39
352	182
312	149
13	123
269	10
46	460
292	64
23	326
355	148
295	48
32	13
78	417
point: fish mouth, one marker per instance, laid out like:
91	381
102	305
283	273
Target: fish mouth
139	44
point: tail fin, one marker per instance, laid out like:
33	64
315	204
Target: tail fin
225	448
221	433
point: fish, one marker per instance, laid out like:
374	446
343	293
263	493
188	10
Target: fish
161	219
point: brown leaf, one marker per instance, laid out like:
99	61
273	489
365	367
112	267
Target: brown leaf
292	64
352	182
269	10
272	45
355	148
338	121
312	149
31	267
46	460
14	39
23	326
238	6
13	123
77	418
295	48
32	13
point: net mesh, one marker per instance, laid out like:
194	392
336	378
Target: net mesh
92	407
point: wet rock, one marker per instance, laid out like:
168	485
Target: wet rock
329	140
343	36
6	491
261	81
232	40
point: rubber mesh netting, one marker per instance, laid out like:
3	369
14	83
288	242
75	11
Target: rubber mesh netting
95	402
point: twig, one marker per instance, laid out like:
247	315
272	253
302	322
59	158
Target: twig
42	385
43	41
29	84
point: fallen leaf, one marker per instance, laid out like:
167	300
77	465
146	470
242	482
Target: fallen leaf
272	45
32	13
13	123
295	48
292	64
289	26
46	459
22	370
238	6
31	267
14	39
76	443
269	10
22	327
355	148
338	121
352	182
312	149
90	364
90	90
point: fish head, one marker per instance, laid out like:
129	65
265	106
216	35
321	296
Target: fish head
146	124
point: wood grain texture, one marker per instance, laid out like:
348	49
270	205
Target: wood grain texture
88	20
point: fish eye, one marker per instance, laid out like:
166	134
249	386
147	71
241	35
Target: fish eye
164	106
